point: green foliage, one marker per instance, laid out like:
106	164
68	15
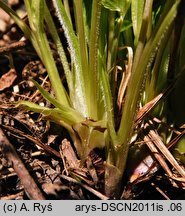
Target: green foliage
137	16
116	5
179	150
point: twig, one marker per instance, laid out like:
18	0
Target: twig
46	148
13	46
144	111
157	155
68	154
13	196
157	145
28	182
175	140
7	173
93	191
160	191
72	165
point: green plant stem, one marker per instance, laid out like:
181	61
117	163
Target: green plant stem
110	39
67	8
93	57
142	37
81	36
137	16
108	105
80	28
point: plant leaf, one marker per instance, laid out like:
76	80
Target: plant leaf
116	5
126	25
137	8
74	113
89	138
78	77
61	51
65	116
112	5
179	150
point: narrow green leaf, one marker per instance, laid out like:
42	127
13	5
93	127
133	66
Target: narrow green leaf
126	25
38	10
61	51
37	14
64	116
136	84
113	5
79	84
116	5
181	49
136	81
107	99
137	8
80	26
93	58
75	115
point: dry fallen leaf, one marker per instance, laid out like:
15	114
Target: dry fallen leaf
7	79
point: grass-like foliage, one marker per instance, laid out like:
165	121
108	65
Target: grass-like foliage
119	58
